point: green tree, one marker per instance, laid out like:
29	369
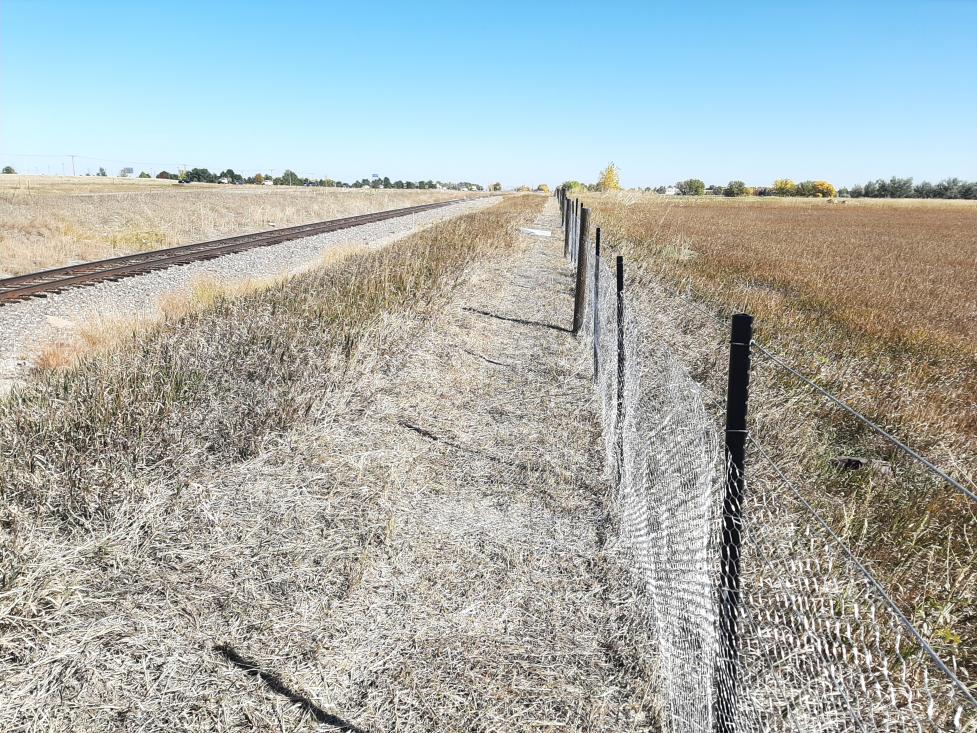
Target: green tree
691	187
101	172
543	188
8	170
735	188
949	188
288	178
900	188
200	175
143	174
609	179
573	186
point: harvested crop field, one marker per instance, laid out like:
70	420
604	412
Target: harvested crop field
45	224
370	498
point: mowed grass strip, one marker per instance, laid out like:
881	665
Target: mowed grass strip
210	385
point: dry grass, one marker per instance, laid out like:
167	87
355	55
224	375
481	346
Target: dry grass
238	486
109	331
52	223
875	301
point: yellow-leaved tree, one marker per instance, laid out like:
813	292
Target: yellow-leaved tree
609	179
784	187
823	189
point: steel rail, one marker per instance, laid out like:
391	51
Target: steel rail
45	282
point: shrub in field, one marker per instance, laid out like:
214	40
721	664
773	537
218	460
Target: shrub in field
543	188
8	169
691	187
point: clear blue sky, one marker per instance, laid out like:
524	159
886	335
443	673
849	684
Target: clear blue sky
522	92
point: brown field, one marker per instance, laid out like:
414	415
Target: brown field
882	290
51	221
875	301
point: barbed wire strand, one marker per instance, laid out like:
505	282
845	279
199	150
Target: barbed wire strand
934	469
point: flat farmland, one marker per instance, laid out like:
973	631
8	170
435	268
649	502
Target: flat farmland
885	287
47	222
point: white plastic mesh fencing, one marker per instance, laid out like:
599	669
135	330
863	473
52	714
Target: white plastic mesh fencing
821	648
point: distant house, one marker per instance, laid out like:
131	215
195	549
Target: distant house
267	182
223	180
670	191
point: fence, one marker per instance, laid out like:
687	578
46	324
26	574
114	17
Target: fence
762	617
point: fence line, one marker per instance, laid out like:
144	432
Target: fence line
763	619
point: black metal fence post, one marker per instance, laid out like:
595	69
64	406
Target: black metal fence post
575	230
596	309
580	294
619	267
737	395
566	229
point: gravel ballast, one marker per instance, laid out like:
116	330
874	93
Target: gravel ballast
27	326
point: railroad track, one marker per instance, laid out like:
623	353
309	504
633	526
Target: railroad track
47	282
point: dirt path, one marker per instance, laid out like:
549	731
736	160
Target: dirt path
487	608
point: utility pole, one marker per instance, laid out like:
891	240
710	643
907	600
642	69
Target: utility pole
72	164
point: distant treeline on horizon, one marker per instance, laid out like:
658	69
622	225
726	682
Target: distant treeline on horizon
894	188
288	178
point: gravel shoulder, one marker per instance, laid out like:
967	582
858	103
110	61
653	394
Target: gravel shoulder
28	326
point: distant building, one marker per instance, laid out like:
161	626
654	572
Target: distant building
670	191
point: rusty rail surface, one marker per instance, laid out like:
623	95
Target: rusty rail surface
46	282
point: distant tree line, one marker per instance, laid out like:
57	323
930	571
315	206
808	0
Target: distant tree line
903	188
894	188
291	178
781	187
